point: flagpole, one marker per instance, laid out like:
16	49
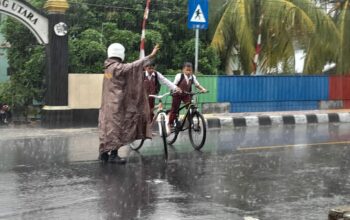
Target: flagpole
258	48
143	33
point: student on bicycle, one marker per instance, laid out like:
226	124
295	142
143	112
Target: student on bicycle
124	112
152	83
184	81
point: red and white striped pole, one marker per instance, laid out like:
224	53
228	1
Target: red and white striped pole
143	34
258	46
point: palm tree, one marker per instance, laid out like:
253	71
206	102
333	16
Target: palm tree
342	20
286	25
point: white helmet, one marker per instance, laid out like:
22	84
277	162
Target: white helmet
116	50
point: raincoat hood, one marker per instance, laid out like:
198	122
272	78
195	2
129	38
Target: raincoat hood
109	62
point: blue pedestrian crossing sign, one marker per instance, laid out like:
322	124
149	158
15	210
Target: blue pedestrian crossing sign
198	14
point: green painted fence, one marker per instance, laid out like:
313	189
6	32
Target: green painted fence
208	82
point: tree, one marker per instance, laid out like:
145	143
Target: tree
27	63
287	25
208	61
93	25
342	20
120	21
87	53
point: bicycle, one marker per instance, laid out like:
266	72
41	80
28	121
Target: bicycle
193	120
161	118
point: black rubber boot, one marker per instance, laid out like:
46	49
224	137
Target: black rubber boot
114	158
103	157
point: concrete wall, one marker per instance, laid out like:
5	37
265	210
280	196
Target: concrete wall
85	91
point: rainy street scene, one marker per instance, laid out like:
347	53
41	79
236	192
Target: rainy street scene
175	109
283	172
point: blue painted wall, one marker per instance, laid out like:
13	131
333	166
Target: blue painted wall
272	88
272	93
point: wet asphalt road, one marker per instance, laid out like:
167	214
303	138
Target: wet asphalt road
274	173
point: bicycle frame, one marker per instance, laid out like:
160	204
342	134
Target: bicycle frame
158	117
191	108
160	112
192	121
161	118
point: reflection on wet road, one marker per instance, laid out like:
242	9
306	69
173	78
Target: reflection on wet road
296	172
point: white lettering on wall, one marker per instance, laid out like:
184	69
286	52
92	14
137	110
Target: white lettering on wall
19	9
27	15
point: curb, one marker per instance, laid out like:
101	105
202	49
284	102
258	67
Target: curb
251	121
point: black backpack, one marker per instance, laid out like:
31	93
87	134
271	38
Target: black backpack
157	82
182	78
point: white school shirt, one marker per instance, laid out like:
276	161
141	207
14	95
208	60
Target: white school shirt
178	77
162	80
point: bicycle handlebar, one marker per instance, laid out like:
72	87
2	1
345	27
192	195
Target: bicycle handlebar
172	93
160	96
194	93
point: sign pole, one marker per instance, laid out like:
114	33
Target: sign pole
196	51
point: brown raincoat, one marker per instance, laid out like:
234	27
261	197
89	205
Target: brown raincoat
124	113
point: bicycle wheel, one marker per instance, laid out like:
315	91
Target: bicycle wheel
171	138
197	130
163	135
137	144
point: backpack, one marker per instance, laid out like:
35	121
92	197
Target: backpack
157	83
182	78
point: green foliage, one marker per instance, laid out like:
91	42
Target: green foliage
208	61
93	25
287	25
5	92
129	39
27	63
153	38
121	22
343	23
87	53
